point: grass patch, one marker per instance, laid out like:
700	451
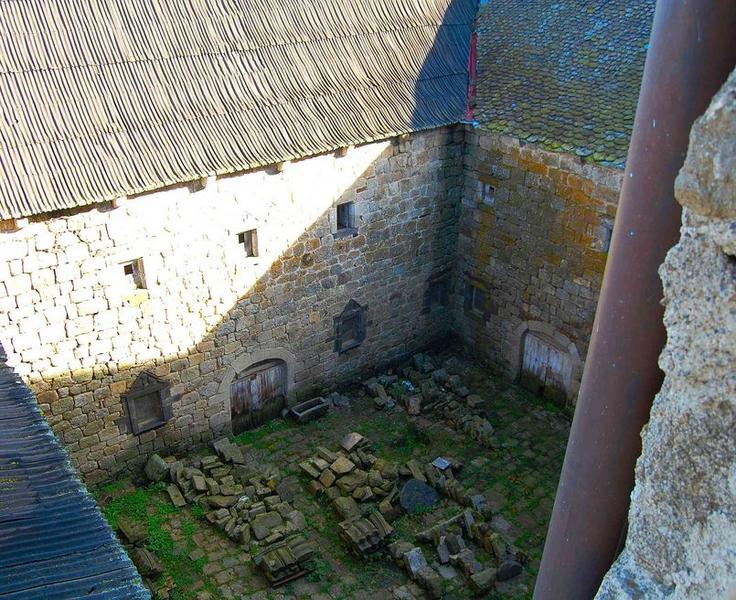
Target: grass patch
133	505
256	438
150	507
320	570
198	511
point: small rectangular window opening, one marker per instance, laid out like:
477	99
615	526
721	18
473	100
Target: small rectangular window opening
475	299
134	273
346	216
489	194
437	293
249	239
479	300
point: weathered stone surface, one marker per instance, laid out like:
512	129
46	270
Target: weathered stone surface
342	465
327	478
417	472
146	562
455	543
287	488
176	497
682	529
495	232
346	507
309	469
707	180
443	554
156	468
296	519
350	482
199	483
447	572
417	495
414	562
326	454
508	569
363	494
339	401
465	560
220	444
233	454
264	523
221	501
414	405
351	441
482	583
474	401
431	581
133	532
74	325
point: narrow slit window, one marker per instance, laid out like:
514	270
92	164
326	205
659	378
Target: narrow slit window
346	216
489	194
475	299
249	240
437	292
133	271
607	235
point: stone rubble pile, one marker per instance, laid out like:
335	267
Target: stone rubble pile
451	540
425	389
353	475
412	560
244	503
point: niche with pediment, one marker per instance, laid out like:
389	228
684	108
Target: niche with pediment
147	404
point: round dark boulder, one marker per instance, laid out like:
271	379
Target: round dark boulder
416	496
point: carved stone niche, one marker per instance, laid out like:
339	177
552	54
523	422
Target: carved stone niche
147	404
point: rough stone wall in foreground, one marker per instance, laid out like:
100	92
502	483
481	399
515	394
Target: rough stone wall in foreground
682	523
538	249
75	330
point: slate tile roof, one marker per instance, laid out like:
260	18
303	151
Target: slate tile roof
564	74
54	542
106	98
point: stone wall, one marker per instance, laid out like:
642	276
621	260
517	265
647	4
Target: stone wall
682	522
533	235
78	329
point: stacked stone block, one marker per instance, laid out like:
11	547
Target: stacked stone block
74	327
536	244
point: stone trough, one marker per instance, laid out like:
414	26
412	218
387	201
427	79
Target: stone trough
310	410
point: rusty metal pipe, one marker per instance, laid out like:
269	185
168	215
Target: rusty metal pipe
692	51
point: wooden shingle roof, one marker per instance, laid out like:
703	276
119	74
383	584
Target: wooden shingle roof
113	97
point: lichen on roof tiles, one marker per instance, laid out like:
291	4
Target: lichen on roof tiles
565	75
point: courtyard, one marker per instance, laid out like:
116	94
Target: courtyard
516	471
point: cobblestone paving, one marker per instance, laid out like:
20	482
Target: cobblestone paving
519	478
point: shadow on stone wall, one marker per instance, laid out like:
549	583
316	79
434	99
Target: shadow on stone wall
405	231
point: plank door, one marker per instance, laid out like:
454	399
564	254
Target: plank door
545	366
258	395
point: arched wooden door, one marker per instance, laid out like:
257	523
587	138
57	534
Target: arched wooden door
546	368
258	395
